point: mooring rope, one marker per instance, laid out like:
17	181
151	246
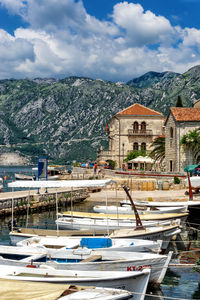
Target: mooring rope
159	296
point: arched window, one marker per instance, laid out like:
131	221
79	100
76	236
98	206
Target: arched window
143	146
171	132
143	126
135	146
135	127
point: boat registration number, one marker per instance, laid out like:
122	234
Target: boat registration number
137	268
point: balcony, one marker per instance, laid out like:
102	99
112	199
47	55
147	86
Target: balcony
140	132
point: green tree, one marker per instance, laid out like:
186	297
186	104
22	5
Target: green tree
179	102
133	154
191	141
158	152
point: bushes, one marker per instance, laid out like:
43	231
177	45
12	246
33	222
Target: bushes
176	180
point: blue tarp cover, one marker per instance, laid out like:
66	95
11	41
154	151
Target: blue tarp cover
92	243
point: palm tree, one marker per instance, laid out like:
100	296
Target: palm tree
191	141
158	152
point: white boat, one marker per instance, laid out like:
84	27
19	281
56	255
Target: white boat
127	209
54	172
73	223
98	293
100	260
135	282
36	290
19	176
115	261
1	184
121	217
164	233
67	243
166	204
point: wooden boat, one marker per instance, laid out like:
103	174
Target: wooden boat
100	260
135	282
36	290
135	245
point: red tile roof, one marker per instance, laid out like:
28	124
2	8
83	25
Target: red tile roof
186	114
139	110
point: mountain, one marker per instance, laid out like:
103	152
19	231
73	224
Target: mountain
65	119
151	78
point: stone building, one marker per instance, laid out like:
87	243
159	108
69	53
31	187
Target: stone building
196	104
133	128
179	121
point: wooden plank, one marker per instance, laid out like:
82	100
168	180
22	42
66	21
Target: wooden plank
91	258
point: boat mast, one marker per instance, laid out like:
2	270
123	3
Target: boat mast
137	217
190	187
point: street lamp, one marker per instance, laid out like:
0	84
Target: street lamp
123	152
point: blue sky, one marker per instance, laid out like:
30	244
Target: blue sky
107	39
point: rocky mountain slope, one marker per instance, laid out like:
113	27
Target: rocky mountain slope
64	120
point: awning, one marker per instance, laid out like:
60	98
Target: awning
60	183
142	159
190	168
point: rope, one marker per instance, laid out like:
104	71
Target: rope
158	296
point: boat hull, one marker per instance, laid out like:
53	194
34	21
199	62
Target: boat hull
135	282
105	224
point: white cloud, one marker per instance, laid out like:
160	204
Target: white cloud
14	6
63	39
13	51
141	27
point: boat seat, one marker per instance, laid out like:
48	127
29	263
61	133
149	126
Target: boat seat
91	258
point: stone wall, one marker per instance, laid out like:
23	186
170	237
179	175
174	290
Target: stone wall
40	202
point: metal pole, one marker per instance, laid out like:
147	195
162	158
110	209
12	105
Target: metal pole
107	210
57	227
12	209
28	205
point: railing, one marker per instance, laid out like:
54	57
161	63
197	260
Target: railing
140	132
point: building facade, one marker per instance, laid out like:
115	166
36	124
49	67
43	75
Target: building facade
133	128
179	122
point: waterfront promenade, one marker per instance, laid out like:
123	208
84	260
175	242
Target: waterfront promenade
155	195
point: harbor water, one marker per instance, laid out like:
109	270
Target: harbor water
181	283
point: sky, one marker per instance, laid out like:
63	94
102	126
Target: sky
100	39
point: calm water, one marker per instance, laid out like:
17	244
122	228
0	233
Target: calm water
178	283
8	175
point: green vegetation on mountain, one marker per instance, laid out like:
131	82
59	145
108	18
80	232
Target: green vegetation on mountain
65	119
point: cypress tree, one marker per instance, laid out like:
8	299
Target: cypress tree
179	102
